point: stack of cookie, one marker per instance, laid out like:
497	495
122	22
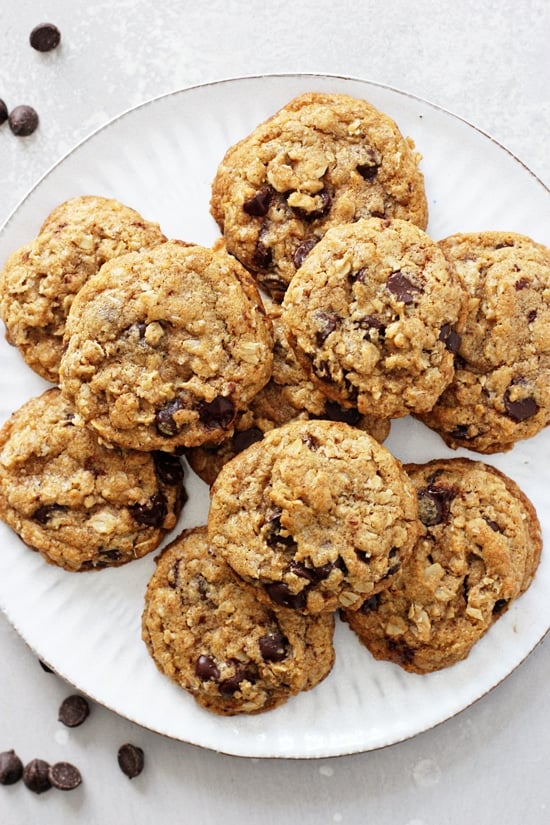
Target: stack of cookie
275	362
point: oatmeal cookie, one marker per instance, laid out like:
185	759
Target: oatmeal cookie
39	281
375	314
81	505
289	395
164	347
500	393
479	552
322	160
316	516
214	639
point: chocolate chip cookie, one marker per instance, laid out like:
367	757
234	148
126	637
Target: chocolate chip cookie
39	281
316	516
164	347
480	550
214	639
289	395
500	393
322	160
81	505
375	314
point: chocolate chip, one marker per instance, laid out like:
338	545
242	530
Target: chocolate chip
368	171
263	255
206	669
45	37
36	776
64	776
434	504
520	409
500	606
369	322
402	288
522	283
360	276
23	121
130	760
301	570
531	315
220	412
372	603
110	555
168	468
164	417
461	432
280	593
334	412
73	711
274	536
43	513
152	513
273	646
243	673
11	768
302	251
326	323
3	112
244	438
492	524
400	652
258	204
315	214
450	338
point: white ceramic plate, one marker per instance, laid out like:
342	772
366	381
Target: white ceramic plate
160	158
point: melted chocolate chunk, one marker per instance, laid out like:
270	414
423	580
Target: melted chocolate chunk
500	606
152	513
273	646
274	536
370	323
531	316
434	504
280	593
243	673
520	409
263	256
450	338
258	205
492	524
461	432
45	512
402	288
320	212
302	251
326	323
522	283
368	171
168	468
219	413
206	669
244	438
164	417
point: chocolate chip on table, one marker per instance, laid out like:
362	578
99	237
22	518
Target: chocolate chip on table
36	776
45	37
3	112
73	711
64	776
23	120
11	768
130	760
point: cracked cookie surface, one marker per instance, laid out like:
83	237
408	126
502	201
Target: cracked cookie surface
375	314
479	552
164	347
39	280
500	393
321	160
314	517
214	639
81	505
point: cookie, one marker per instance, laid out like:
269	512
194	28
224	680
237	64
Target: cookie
316	516
500	393
479	552
81	505
39	281
375	314
165	346
289	395
214	639
322	160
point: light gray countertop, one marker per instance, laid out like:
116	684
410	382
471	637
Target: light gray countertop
489	63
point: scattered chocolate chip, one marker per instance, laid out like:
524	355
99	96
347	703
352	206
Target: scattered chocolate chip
326	323
450	338
273	646
244	438
258	204
130	760
280	593
243	673
402	288
164	417
11	768
36	776
73	711
206	669
302	251
168	468
220	412
3	112
64	776
23	121
45	37
521	408
334	412
152	513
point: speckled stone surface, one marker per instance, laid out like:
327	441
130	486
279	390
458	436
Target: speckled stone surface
487	62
